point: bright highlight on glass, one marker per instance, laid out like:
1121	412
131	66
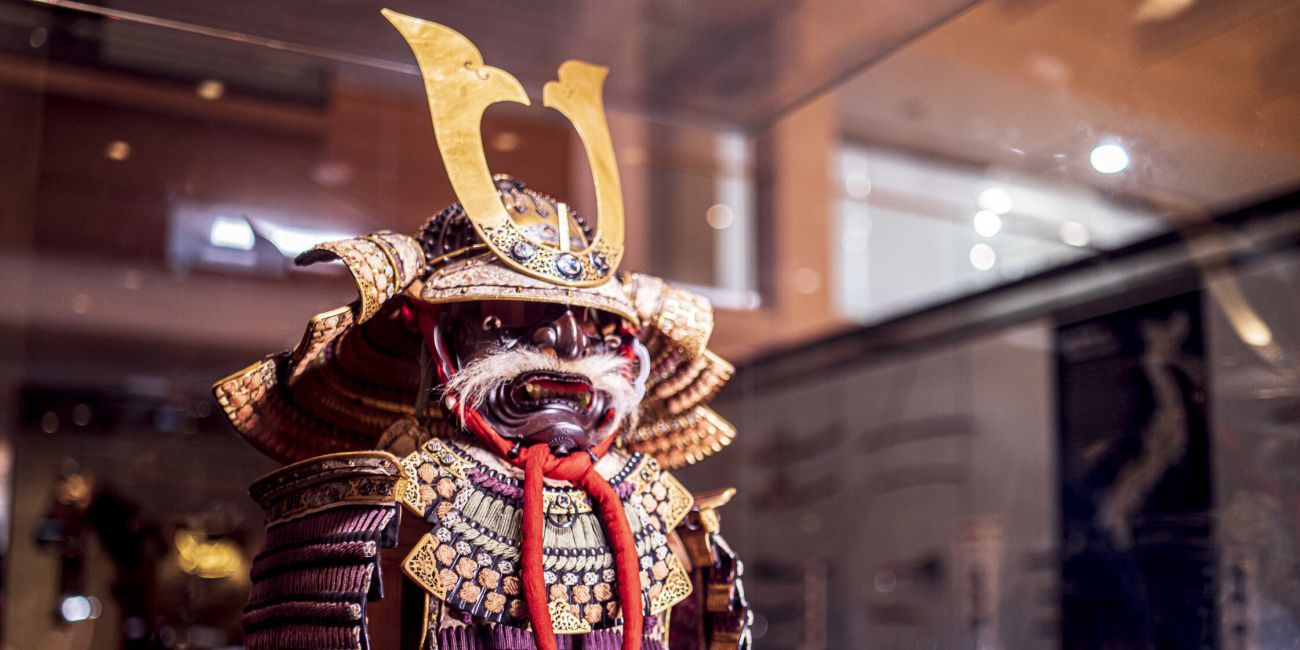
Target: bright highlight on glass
983	257
995	200
79	608
1109	158
987	223
858	185
719	216
1074	233
231	232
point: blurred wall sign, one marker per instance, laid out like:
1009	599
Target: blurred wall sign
1139	560
977	578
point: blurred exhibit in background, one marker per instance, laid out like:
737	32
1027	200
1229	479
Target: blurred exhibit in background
1013	290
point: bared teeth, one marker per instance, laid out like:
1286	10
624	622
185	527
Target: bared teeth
536	393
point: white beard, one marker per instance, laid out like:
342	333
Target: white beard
606	371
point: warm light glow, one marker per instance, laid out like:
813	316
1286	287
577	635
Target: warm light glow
1074	233
506	141
720	216
806	280
210	89
995	200
118	150
81	303
983	257
232	232
1109	158
1255	332
633	156
987	223
213	559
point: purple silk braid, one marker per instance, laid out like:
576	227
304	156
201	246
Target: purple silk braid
489	481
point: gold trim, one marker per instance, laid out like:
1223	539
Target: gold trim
385	248
677	587
456	253
564	621
576	93
524	297
460	87
241	373
679	500
422	567
323	457
410	494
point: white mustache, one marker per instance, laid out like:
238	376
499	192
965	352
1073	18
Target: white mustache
606	371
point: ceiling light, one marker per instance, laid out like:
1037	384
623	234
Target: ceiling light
210	89
118	150
983	257
332	174
857	185
719	216
996	200
231	232
806	280
78	608
987	223
1109	158
1074	233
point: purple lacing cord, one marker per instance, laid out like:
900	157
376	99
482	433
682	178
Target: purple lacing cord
490	482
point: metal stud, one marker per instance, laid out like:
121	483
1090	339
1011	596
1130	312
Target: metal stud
523	251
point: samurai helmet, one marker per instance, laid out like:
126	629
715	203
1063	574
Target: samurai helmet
356	371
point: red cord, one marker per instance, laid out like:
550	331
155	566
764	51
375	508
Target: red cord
537	461
531	571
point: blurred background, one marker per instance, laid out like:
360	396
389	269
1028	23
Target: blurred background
1012	288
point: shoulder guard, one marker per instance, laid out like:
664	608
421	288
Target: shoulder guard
327	518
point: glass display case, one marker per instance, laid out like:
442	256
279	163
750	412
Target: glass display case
1011	288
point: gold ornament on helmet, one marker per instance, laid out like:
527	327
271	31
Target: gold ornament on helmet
460	87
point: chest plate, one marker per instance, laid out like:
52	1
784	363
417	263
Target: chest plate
470	557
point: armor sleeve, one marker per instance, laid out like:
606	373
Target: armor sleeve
327	518
717	616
